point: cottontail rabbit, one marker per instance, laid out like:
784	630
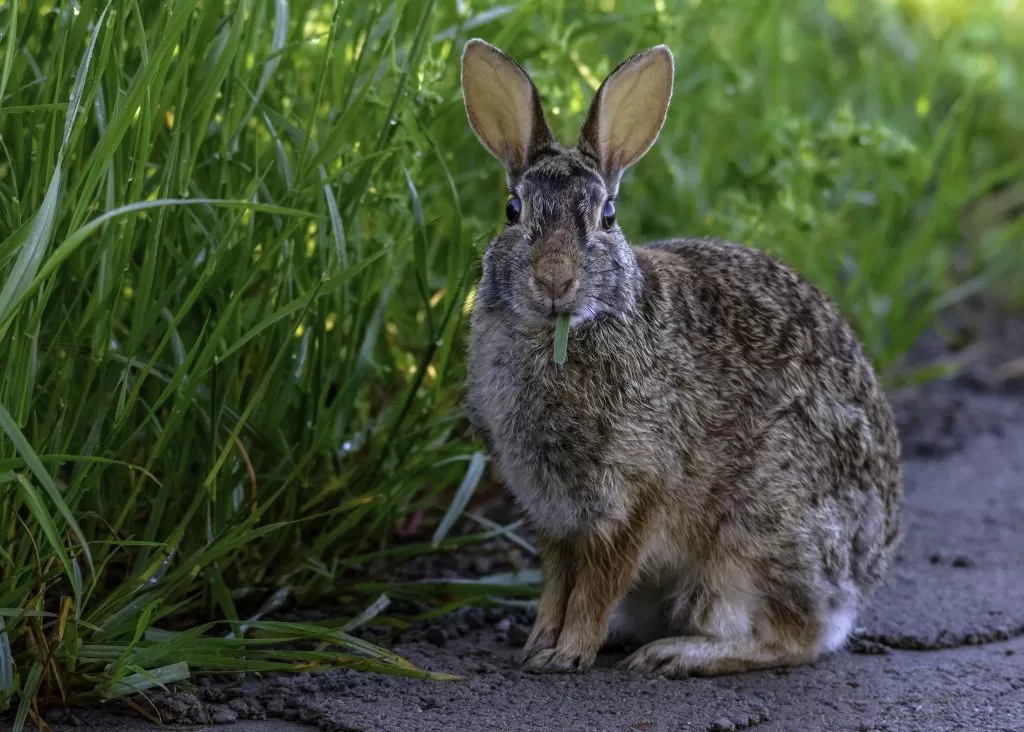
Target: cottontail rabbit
714	470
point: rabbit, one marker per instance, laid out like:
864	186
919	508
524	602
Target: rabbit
713	473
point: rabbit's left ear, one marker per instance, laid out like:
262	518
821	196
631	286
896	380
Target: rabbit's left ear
628	111
503	106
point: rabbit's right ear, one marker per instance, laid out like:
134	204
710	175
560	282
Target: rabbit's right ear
627	112
503	106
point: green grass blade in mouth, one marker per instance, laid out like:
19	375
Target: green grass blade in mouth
561	337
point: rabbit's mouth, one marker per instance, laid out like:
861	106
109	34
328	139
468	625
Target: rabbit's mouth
541	299
551	296
547	309
577	316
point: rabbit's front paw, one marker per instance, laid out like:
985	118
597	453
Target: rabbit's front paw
543	637
557	661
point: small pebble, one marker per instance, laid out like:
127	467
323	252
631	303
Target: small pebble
503	625
247	709
759	716
722	725
436	636
483	565
475	619
222	715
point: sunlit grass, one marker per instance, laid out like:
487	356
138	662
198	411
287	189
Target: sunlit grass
238	245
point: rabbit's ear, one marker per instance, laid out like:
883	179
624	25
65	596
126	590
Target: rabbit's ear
503	106
628	111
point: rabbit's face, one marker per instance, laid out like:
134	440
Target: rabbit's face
561	250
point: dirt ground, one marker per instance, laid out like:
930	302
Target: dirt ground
941	647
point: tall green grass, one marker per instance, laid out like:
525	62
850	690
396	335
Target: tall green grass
237	240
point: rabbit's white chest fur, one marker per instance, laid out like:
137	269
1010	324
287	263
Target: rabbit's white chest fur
554	501
559	496
558	439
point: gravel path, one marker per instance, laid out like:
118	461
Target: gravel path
942	647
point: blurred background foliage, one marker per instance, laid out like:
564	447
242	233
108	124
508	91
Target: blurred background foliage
238	238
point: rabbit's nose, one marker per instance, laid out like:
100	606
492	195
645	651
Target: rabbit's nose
554	288
555	276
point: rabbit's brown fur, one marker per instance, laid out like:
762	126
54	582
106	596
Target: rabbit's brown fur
714	470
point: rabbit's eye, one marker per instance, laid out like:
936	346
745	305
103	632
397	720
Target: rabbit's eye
512	209
608	215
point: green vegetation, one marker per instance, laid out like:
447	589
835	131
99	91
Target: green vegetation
237	240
